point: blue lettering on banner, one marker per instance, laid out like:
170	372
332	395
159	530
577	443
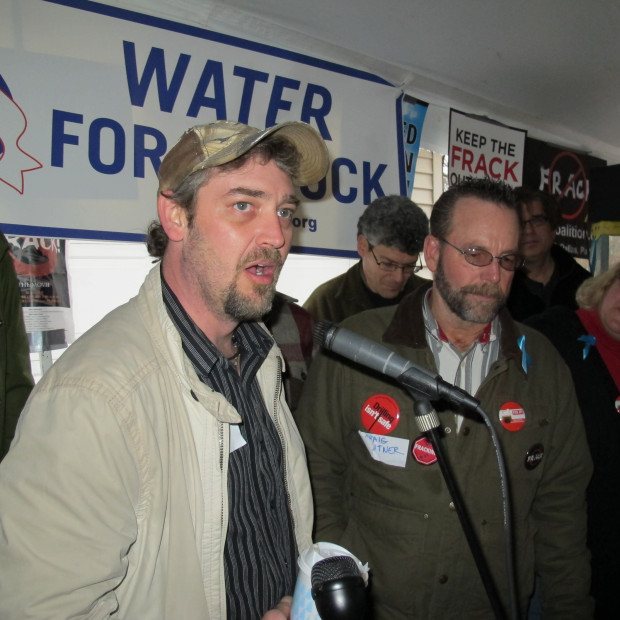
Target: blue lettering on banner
309	223
61	136
118	146
250	77
213	71
64	134
140	151
107	142
155	65
316	103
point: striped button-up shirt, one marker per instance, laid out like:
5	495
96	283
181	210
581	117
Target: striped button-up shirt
260	552
466	370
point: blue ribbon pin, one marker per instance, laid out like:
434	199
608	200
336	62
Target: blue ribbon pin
588	342
526	360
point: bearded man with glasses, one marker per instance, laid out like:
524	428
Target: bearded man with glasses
378	487
390	236
550	275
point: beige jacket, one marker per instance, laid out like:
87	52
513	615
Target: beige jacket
102	508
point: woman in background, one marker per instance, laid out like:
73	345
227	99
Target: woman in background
589	341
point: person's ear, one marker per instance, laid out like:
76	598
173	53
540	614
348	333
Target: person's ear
431	252
173	217
362	245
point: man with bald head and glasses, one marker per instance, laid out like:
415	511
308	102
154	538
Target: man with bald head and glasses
390	236
378	487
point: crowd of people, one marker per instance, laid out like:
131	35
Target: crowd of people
179	456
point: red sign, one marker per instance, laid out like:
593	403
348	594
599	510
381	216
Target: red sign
423	451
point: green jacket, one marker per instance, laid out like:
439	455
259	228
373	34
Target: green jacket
346	295
15	375
400	519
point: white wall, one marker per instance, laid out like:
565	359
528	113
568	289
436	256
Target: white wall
106	274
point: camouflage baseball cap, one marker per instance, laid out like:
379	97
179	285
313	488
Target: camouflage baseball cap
207	146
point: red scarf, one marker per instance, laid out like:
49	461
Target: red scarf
608	347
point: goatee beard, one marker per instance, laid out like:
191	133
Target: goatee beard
242	307
461	305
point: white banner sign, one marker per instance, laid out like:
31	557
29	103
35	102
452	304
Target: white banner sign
482	148
92	96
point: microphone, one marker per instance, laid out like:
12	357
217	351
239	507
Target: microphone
377	357
338	589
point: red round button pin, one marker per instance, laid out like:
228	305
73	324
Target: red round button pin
512	416
380	414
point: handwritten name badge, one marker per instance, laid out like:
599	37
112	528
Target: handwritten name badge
386	449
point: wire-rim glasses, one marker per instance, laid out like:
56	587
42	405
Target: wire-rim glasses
392	267
481	258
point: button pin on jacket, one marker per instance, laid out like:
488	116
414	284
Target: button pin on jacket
380	414
534	456
512	416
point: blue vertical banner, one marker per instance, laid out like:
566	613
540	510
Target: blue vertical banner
414	112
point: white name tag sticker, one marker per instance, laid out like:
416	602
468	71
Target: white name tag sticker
236	438
388	450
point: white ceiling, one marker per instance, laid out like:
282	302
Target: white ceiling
549	66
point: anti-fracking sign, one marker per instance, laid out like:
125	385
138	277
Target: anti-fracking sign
482	148
92	96
565	174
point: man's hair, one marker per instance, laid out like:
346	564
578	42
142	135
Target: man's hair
394	221
497	192
273	148
593	290
551	209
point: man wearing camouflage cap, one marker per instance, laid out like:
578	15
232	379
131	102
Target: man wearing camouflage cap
156	472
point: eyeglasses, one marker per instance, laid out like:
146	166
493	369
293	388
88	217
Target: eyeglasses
535	221
388	265
482	258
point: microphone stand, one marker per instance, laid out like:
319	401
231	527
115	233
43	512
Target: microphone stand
428	423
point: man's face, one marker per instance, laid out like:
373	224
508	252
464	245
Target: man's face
239	238
474	294
388	284
537	236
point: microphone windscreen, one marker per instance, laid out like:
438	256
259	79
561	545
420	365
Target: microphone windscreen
330	569
320	331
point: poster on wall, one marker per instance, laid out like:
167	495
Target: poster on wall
92	96
41	271
414	112
482	148
604	201
564	174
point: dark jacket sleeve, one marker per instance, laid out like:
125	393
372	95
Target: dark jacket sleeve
322	429
16	378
